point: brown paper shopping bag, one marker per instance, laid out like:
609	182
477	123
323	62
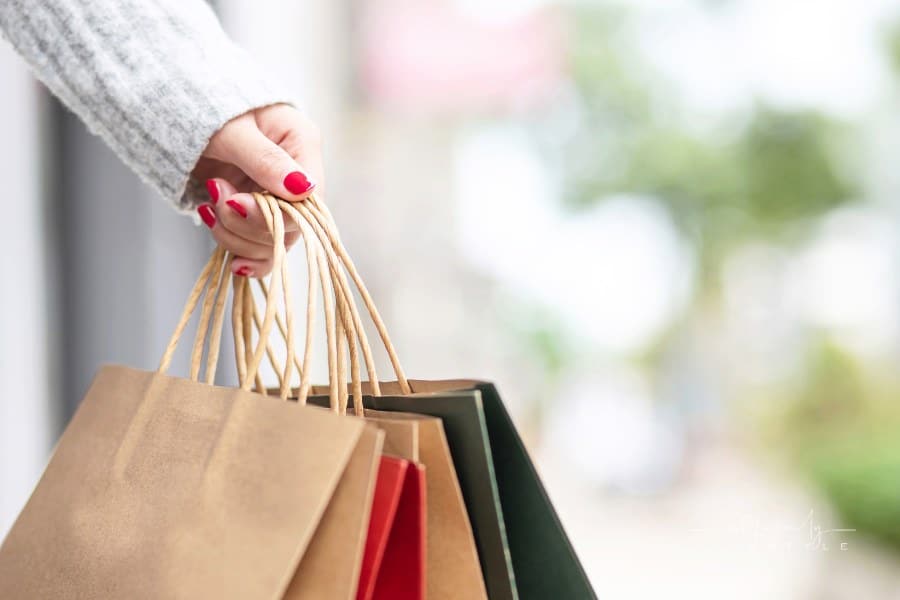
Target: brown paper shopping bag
163	487
330	567
452	559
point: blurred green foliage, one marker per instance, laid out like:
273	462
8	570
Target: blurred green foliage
722	185
840	426
860	475
761	173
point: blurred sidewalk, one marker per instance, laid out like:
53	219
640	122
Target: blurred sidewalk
730	529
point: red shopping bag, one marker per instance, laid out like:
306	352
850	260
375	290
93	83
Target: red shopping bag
394	559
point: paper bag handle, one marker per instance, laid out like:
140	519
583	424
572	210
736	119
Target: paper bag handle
325	254
339	329
322	222
313	214
214	280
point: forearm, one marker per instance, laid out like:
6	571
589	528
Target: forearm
154	78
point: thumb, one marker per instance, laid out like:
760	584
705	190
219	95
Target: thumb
268	164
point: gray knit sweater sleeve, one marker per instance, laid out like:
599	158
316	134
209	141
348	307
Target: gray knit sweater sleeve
154	78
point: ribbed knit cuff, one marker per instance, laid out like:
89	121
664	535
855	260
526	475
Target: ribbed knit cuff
154	79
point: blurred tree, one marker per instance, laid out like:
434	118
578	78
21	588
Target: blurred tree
766	179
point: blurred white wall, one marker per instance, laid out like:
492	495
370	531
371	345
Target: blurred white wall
26	371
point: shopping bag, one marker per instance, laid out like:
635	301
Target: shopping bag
162	487
453	568
330	568
393	565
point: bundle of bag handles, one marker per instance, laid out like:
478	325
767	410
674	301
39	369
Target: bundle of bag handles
328	265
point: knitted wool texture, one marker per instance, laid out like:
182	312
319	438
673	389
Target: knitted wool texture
154	78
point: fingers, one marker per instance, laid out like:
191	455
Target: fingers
240	213
237	224
274	148
229	240
241	143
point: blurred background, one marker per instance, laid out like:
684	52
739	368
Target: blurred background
669	230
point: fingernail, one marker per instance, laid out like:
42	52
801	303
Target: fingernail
213	190
207	214
244	272
237	207
297	183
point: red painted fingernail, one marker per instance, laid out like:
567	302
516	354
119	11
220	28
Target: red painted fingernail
237	207
297	183
207	214
244	272
213	190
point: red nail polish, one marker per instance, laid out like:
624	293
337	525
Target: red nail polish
244	272
297	183
237	207
213	190
207	214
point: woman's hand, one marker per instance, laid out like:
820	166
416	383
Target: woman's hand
274	148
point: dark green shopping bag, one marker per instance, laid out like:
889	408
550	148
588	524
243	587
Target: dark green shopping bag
523	547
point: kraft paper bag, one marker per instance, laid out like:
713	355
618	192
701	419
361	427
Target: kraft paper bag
453	568
165	488
330	568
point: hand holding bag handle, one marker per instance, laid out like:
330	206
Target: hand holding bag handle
214	280
324	252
